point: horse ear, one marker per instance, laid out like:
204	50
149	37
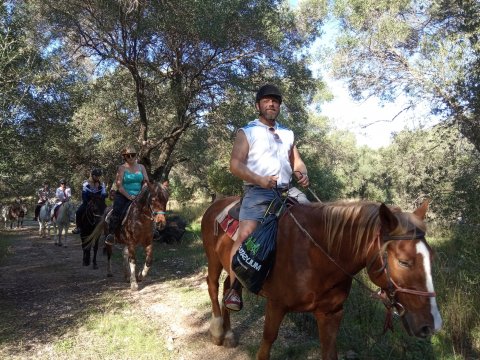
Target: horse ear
387	219
421	211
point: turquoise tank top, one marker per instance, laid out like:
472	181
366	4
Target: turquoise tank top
132	182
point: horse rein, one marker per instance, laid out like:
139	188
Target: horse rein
152	212
387	296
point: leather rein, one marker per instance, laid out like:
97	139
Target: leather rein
387	296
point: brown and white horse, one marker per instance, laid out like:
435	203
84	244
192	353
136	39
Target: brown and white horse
320	247
146	212
13	214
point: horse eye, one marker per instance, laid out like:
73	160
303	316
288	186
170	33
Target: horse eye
405	263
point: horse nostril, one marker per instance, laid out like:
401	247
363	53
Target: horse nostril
425	331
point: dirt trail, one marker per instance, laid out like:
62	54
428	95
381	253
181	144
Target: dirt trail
48	289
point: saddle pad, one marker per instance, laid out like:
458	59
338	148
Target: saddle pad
227	223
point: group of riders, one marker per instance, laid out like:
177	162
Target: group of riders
129	180
90	188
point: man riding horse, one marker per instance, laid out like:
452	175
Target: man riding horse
90	188
264	156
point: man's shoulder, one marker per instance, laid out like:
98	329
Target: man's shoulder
282	127
251	124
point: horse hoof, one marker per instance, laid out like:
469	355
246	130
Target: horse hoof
109	275
95	266
216	340
230	341
134	287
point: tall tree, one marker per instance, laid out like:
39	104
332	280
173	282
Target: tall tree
426	50
183	58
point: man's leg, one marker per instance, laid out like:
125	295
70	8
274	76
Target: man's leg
119	206
233	299
78	217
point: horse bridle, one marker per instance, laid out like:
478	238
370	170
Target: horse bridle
153	212
387	296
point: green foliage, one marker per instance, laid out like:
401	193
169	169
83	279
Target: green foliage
222	181
426	50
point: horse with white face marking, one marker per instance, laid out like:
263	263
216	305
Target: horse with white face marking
320	249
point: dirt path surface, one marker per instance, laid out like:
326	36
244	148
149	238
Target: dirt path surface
48	293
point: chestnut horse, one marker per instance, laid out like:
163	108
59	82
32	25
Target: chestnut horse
91	217
320	247
145	213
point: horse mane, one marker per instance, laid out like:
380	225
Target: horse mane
358	222
143	196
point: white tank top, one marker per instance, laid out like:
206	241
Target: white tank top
269	156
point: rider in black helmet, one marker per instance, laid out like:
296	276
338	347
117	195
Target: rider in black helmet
90	187
265	157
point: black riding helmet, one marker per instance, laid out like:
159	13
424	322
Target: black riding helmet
268	90
96	172
62	181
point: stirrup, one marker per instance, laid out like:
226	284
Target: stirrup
233	300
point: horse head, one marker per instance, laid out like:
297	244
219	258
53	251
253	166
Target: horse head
158	204
96	205
402	269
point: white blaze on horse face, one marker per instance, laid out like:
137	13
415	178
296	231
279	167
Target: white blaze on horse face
437	319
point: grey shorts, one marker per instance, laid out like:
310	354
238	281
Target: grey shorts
257	199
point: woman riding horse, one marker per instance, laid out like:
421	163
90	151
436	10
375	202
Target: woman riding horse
62	194
129	180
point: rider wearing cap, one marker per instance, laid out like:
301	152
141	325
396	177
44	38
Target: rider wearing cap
131	176
265	157
91	187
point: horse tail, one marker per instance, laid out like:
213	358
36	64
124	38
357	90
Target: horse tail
97	231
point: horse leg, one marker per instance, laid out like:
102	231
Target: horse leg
55	234
108	249
273	318
129	263
328	325
148	262
86	257
229	339
95	250
64	230
59	229
216	324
